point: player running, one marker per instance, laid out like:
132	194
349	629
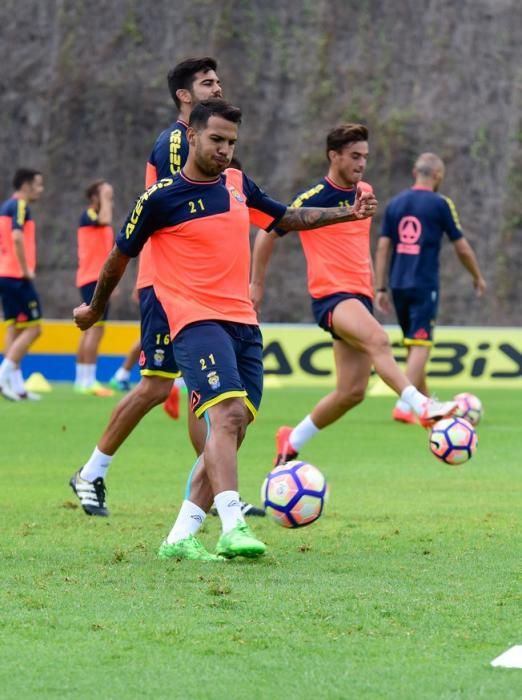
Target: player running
341	286
198	223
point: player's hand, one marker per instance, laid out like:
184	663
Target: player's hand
257	292
480	286
365	204
106	191
135	296
382	302
29	275
85	317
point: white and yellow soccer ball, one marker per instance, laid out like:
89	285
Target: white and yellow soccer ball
294	494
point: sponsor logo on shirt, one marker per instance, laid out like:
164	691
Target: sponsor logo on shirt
410	230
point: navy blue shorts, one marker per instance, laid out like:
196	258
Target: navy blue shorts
323	308
416	312
221	360
20	302
87	293
157	356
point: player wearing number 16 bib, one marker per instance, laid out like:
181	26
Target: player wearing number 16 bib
191	81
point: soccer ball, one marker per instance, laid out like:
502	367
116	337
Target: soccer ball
294	494
453	440
470	407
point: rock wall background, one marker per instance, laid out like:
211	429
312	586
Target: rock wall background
83	95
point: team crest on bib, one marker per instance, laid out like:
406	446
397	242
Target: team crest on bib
213	380
159	357
236	193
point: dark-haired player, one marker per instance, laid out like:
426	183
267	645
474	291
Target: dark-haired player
413	228
198	223
95	240
22	311
189	82
340	282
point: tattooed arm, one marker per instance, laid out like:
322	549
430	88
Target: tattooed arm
306	218
85	315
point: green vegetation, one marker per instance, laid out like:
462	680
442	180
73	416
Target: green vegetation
407	587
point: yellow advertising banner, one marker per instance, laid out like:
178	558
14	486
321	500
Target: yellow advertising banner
301	355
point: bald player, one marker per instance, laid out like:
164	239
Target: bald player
415	222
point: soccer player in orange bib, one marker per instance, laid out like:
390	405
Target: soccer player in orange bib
22	311
340	282
95	241
198	224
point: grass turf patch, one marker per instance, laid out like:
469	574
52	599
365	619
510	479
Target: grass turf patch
407	587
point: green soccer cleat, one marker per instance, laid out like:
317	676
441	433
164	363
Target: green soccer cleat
189	548
240	542
119	384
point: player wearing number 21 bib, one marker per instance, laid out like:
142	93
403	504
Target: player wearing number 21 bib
198	223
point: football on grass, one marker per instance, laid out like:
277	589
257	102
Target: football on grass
453	440
294	494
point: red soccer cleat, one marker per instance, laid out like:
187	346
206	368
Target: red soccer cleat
404	416
284	450
171	405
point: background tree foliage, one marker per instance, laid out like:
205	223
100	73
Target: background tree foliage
84	96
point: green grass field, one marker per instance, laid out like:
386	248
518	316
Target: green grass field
407	587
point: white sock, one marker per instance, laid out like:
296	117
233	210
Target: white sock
414	398
17	381
403	406
122	374
229	509
96	466
190	519
303	432
6	368
80	374
90	374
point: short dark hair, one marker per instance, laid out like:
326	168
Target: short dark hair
24	175
342	135
182	76
93	189
213	108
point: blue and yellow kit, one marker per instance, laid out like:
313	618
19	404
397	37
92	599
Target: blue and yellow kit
416	221
200	249
200	244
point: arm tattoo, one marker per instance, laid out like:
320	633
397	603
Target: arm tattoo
110	275
314	217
